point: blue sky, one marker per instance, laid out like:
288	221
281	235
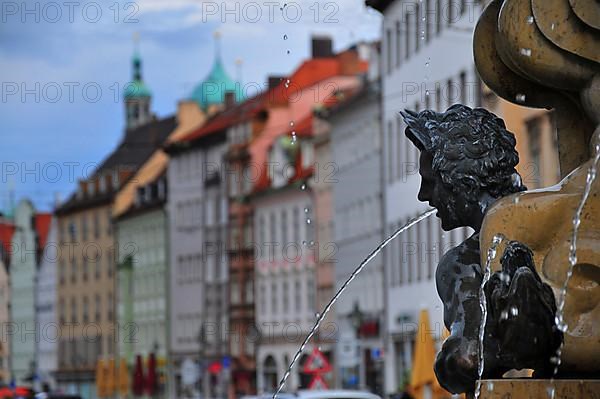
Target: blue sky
63	67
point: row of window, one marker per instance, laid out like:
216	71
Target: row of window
353	148
415	254
419	22
86	269
284	227
68	229
190	214
358	218
286	294
198	267
86	315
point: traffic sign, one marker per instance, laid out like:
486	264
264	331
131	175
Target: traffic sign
317	363
318	383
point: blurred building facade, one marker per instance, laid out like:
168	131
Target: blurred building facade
28	240
7	229
357	230
46	349
141	231
89	252
197	207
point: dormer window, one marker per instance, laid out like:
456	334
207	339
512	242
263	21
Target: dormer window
102	184
115	179
148	194
162	189
92	188
139	196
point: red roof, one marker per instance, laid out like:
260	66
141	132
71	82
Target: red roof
309	73
232	116
6	232
42	226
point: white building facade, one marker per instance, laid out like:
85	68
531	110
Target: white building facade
357	204
197	208
22	270
285	272
46	311
427	63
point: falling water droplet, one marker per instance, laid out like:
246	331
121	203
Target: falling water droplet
288	51
305	210
308	221
520	97
427	62
514	312
291	123
552	26
526	52
312	243
426	92
503	315
303	187
304	243
285	37
530	19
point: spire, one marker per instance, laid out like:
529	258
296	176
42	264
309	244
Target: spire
137	60
217	37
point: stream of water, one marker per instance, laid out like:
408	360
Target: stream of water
332	301
487	272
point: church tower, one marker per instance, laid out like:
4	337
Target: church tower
137	95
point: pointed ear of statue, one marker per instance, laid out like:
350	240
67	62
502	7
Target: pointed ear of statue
416	130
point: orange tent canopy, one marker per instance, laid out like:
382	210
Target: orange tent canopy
423	376
123	384
100	380
110	378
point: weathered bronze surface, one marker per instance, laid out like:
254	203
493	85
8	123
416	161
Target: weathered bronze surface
539	53
543	220
549	51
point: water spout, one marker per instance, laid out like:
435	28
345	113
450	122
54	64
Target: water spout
332	301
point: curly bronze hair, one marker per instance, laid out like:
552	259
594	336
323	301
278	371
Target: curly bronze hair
471	149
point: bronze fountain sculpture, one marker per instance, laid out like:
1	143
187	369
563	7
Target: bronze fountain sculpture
542	54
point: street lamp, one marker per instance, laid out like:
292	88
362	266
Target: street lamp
356	317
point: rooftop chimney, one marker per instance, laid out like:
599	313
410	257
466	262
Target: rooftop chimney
322	47
229	99
273	81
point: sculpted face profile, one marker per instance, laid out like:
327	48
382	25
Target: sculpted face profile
467	163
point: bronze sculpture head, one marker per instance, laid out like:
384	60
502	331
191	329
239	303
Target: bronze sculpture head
467	161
